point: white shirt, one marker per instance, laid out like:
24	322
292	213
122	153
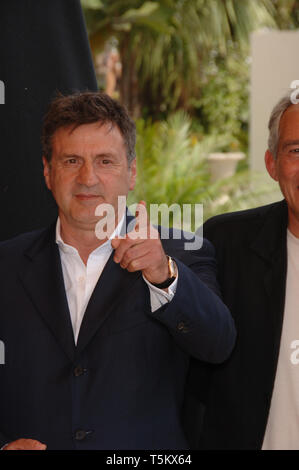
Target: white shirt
282	432
80	279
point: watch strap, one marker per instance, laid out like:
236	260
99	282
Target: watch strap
170	279
165	284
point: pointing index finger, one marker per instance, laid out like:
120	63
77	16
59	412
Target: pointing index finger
142	218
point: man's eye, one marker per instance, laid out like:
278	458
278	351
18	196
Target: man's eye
296	150
71	161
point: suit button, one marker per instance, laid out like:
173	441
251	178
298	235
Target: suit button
181	326
78	371
80	435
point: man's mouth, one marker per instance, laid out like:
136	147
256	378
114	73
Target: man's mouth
86	197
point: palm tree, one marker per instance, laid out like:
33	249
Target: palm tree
163	43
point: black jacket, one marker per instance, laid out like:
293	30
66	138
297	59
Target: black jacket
122	385
252	262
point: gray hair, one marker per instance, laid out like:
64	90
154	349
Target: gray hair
274	121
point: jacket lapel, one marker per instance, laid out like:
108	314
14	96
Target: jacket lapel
42	279
271	245
113	283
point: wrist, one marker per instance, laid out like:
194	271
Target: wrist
171	276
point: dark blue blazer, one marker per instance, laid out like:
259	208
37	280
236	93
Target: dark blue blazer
122	386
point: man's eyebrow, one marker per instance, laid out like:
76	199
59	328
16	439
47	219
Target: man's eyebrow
105	154
74	155
68	155
288	143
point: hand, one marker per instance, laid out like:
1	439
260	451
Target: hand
141	249
25	444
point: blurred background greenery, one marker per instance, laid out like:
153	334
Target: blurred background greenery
182	68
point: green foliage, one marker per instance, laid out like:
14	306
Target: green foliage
244	190
286	14
172	168
165	43
170	164
223	105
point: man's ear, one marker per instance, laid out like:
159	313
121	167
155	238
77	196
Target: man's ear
271	165
133	174
47	172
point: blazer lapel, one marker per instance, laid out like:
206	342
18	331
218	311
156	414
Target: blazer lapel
42	279
113	283
271	245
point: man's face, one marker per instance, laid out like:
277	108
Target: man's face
285	169
88	167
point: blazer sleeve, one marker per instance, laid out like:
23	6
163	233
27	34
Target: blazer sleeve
196	317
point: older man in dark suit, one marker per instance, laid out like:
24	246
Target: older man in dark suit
98	327
253	401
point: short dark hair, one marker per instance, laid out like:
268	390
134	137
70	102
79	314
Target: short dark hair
86	108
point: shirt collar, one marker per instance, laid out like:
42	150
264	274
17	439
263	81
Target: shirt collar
65	248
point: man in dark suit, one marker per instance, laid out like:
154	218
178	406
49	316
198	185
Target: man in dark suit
253	399
99	325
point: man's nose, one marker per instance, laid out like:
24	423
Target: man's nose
87	175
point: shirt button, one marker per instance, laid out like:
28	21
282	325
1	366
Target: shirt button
78	371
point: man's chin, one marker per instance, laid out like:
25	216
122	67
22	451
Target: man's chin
87	221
